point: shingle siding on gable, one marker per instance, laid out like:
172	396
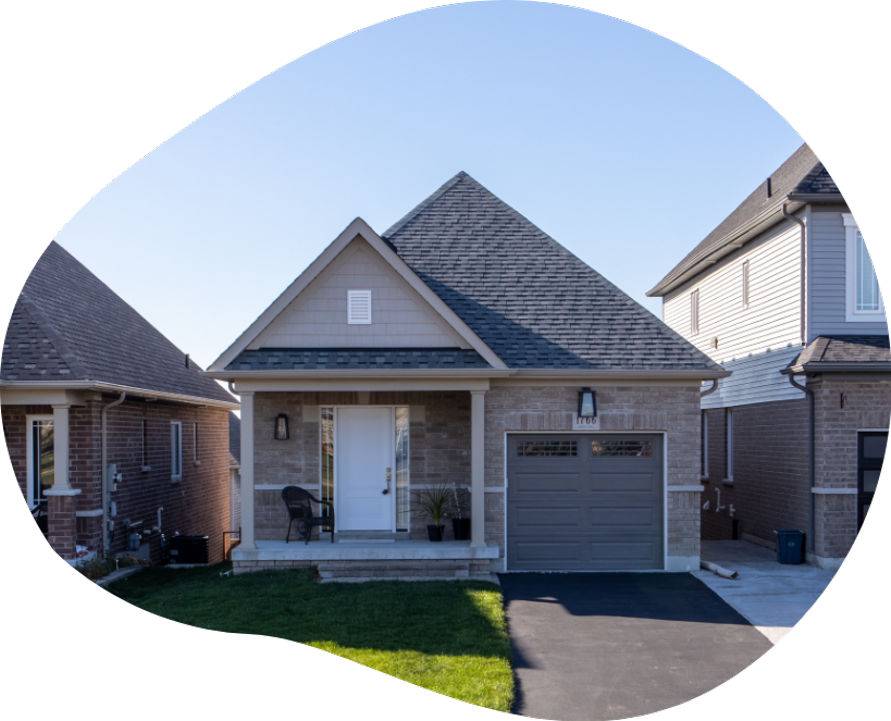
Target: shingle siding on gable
826	276
317	318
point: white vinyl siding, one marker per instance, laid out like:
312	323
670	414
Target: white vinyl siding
772	319
745	284
694	311
828	293
755	379
317	318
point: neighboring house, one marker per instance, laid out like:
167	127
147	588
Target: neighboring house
112	431
783	294
456	349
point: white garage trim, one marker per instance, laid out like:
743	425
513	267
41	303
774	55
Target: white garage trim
665	488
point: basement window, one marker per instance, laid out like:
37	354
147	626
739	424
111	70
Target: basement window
359	307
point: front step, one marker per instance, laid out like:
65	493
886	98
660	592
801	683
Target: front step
403	570
366	536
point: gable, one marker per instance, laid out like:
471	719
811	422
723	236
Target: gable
317	317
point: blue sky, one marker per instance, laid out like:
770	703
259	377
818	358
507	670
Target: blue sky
623	146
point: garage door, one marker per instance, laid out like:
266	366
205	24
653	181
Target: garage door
591	502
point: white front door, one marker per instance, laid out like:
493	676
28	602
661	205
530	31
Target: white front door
364	458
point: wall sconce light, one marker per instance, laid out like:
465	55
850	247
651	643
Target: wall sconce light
281	427
587	403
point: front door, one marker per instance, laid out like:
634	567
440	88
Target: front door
364	460
871	454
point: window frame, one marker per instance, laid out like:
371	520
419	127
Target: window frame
853	238
196	456
145	466
176	451
703	462
694	312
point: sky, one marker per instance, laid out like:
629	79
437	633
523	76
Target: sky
624	147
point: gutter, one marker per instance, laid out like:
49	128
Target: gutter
102	387
811	456
840	367
803	285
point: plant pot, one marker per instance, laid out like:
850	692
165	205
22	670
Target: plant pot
434	533
461	529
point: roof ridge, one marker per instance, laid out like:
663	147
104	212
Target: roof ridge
429	200
65	353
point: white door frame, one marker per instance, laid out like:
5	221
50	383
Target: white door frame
392	459
29	451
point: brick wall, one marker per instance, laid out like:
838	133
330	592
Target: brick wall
197	504
439	446
843	405
770	470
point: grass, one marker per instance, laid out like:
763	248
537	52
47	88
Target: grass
449	636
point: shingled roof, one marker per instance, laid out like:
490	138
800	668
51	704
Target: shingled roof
68	326
844	353
801	177
534	303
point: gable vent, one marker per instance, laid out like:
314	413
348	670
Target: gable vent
359	307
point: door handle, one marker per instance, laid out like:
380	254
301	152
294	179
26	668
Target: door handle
388	476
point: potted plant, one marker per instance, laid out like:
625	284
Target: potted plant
432	503
459	515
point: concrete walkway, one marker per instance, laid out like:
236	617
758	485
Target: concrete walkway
771	596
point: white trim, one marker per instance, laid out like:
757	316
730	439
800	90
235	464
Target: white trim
358	228
852	242
703	426
359	307
833	491
176	450
666	566
693	488
728	445
92	513
29	458
17	392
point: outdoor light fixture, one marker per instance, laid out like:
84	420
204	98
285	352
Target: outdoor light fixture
281	427
587	403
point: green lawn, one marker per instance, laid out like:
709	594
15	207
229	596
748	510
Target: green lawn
447	636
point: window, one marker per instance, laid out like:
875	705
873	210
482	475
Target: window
41	461
863	298
694	311
622	448
540	449
195	444
403	504
143	423
703	465
176	451
728	440
326	441
359	307
745	284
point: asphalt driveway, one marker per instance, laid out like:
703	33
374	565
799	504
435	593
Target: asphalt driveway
613	645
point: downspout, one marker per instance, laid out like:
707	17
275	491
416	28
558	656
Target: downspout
106	490
811	460
803	254
709	391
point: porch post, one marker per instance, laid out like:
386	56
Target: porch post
61	481
477	468
60	498
247	469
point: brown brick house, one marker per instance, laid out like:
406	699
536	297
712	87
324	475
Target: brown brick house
783	294
114	436
465	347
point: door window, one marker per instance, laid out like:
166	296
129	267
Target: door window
871	454
41	460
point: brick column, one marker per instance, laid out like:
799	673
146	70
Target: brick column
477	468
62	523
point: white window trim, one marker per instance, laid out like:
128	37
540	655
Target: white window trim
29	450
176	430
351	320
728	448
852	315
196	456
704	424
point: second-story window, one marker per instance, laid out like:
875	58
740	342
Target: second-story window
694	311
863	299
745	284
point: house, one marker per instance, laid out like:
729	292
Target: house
783	294
466	347
115	436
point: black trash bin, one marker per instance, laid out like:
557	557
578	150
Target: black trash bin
790	546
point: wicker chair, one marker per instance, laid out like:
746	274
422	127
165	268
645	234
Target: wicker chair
300	512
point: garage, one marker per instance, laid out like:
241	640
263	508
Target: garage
585	502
